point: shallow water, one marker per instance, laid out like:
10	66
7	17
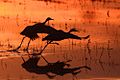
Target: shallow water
101	52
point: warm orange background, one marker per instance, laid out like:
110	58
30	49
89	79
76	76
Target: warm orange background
99	18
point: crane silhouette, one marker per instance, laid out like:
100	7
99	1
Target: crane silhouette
61	35
58	36
31	32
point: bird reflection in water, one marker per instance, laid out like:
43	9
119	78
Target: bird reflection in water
51	69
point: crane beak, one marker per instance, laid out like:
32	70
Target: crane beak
51	19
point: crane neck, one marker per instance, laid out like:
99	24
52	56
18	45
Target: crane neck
70	31
45	21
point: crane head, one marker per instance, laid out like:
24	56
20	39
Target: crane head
49	18
73	30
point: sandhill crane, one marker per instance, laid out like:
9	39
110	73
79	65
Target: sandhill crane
61	35
58	36
31	32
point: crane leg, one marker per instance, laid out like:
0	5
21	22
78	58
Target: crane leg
23	59
19	45
48	42
44	59
28	46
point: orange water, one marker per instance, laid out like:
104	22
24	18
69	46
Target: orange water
98	18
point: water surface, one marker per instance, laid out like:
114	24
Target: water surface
98	18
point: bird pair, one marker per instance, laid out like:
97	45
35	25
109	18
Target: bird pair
53	34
